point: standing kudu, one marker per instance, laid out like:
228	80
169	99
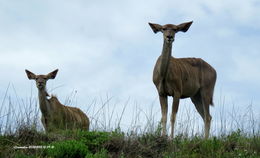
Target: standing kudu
56	116
182	78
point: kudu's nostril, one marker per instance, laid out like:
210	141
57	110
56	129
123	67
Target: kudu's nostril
40	83
169	37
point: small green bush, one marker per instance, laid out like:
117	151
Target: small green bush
68	149
93	140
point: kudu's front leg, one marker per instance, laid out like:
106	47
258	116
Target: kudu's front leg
164	109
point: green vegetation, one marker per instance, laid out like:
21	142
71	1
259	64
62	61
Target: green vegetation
68	148
118	144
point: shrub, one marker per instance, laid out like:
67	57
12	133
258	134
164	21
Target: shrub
93	140
67	149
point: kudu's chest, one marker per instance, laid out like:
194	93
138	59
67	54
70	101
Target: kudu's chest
180	79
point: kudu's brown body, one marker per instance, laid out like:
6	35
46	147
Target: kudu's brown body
182	78
56	116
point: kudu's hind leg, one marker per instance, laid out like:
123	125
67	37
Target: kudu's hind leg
207	117
196	100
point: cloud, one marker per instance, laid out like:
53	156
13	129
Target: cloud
246	69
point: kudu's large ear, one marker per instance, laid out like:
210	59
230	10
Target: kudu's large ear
30	75
155	27
52	74
184	26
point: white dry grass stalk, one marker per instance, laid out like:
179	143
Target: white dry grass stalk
107	114
16	112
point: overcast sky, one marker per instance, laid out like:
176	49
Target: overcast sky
106	48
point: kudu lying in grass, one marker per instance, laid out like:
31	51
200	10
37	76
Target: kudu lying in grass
56	116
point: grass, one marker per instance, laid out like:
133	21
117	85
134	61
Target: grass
235	135
119	144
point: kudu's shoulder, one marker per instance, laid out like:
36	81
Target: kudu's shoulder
56	103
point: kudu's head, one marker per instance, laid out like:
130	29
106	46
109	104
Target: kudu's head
41	79
169	30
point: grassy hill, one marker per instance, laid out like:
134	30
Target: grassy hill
118	144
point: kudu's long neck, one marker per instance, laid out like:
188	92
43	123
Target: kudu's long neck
44	103
165	58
